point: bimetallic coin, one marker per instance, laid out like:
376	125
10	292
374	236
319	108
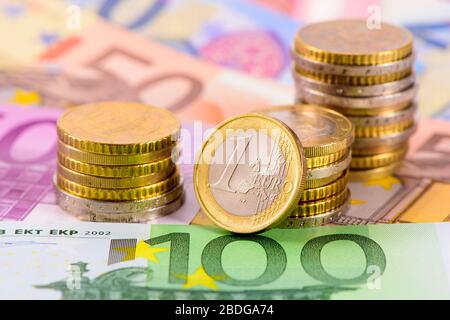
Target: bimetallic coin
382	148
386	118
68	203
320	161
321	131
315	221
378	160
162	167
353	90
84	206
374	174
250	173
139	193
317	183
112	183
361	106
334	79
382	141
118	128
117	160
353	70
326	191
351	42
313	208
330	170
384	130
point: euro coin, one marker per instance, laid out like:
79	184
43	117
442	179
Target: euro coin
313	208
117	128
330	170
387	118
354	90
321	131
317	220
139	193
378	160
351	42
250	173
353	70
374	174
320	182
326	191
383	130
386	141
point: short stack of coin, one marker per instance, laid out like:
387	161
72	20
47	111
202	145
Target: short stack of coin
117	162
326	137
367	75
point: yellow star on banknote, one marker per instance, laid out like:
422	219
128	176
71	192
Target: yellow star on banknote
200	278
357	201
24	97
144	250
385	183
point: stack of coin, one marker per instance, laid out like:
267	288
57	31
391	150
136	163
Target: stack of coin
117	162
367	75
326	137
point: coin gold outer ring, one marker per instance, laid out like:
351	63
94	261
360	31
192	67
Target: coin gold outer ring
106	148
388	129
82	206
378	160
353	90
131	194
320	161
112	183
315	221
125	171
286	201
338	141
117	160
326	191
374	174
354	80
373	57
313	208
352	70
382	142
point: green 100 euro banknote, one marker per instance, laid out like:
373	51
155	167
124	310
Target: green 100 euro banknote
137	261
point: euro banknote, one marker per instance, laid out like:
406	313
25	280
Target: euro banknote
138	261
107	62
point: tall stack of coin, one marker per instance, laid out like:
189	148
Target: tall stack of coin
366	74
326	137
117	162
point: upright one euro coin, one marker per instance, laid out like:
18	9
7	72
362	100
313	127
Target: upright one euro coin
250	173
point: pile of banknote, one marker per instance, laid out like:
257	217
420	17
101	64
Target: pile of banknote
117	162
367	75
326	137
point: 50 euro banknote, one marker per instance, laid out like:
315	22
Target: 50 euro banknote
138	261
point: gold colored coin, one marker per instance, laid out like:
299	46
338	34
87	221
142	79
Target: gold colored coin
250	173
351	42
374	174
354	80
112	183
313	208
378	160
388	129
377	149
117	128
330	170
116	160
317	183
140	193
320	161
322	131
125	171
315	221
326	191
